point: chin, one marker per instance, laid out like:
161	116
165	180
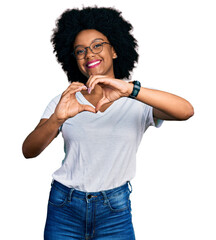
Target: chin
89	73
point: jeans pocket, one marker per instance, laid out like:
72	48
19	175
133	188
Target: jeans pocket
57	197
119	202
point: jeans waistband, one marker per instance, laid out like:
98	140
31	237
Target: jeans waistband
93	195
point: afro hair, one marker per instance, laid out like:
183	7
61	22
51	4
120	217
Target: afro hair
109	22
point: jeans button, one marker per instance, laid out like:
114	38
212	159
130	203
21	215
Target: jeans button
89	196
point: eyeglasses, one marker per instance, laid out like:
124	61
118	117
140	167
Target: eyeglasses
95	47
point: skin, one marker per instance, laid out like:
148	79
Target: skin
101	90
85	38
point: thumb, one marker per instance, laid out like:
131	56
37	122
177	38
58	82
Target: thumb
87	108
101	103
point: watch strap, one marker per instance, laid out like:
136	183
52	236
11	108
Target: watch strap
136	89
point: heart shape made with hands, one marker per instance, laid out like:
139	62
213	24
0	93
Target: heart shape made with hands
104	102
112	89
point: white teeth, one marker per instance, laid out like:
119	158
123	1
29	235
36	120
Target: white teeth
92	64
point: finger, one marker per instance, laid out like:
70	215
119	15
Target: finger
101	103
80	89
74	85
92	78
99	80
89	79
73	89
88	83
87	108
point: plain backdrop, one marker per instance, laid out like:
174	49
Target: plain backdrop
174	191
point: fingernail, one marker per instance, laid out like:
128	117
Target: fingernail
89	90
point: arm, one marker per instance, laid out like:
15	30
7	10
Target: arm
166	106
40	137
47	129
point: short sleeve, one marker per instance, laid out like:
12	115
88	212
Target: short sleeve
148	119
51	107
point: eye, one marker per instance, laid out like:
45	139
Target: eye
97	45
79	51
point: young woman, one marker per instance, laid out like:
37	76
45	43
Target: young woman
102	118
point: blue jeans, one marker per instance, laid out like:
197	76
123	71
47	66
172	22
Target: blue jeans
73	214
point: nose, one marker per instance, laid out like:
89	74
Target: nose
89	52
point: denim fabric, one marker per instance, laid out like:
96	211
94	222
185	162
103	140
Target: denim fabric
73	214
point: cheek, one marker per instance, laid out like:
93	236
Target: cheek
81	67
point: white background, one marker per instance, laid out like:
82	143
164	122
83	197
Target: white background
174	196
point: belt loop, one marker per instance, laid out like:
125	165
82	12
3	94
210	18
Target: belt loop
130	186
70	194
105	198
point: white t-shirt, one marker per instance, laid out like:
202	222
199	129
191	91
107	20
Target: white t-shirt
100	148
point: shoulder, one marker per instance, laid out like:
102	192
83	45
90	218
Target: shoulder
56	99
52	104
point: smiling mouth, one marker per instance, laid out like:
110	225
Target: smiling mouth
93	64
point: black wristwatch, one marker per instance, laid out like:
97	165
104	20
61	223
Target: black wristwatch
136	89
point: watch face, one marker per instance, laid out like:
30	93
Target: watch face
136	89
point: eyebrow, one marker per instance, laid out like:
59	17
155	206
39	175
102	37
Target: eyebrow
96	39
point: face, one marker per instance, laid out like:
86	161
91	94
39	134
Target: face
95	63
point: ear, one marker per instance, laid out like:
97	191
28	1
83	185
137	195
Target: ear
114	54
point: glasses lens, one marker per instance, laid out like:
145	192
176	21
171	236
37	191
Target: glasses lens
96	47
79	52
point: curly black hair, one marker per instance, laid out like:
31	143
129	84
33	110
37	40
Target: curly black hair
109	22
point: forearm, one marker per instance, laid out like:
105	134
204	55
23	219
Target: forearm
176	107
40	138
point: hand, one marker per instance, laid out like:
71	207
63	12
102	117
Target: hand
113	89
68	105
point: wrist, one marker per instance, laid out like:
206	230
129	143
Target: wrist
136	89
130	88
58	122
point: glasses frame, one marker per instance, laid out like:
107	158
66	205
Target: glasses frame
85	48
